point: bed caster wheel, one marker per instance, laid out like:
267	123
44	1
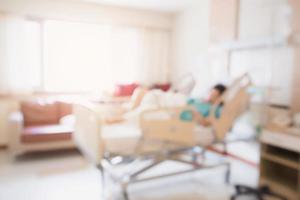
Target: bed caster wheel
259	193
194	158
125	195
227	175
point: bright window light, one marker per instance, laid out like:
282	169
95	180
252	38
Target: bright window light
82	57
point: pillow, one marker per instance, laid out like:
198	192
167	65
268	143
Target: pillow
123	90
67	120
64	109
152	98
39	112
164	87
137	97
172	99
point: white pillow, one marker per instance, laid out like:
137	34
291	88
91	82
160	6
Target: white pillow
171	99
67	120
152	98
158	98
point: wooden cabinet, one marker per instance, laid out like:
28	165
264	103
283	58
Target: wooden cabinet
295	103
295	25
280	164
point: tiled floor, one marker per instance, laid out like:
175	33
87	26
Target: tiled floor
55	176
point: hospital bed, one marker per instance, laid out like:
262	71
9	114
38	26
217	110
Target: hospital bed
160	136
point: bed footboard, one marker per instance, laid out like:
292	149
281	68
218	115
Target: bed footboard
87	132
165	124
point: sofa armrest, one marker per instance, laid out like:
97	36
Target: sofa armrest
15	127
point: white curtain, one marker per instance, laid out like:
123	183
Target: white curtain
154	57
125	43
140	54
76	56
93	57
20	59
79	56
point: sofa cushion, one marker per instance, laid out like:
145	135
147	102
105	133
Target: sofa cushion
64	109
46	133
40	112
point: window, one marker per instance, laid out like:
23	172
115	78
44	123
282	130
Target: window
94	57
20	57
64	56
76	56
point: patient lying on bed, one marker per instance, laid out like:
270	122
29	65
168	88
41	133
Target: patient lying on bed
204	107
158	99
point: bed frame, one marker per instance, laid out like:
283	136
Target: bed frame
161	138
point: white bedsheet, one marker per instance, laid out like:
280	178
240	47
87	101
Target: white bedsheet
121	130
156	99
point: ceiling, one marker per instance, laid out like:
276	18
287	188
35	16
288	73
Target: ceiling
157	5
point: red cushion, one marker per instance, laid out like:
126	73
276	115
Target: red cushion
125	89
39	112
163	87
47	133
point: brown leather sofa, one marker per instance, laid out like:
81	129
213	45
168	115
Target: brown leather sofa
39	126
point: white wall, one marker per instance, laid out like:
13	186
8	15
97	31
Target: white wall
262	18
190	42
272	66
